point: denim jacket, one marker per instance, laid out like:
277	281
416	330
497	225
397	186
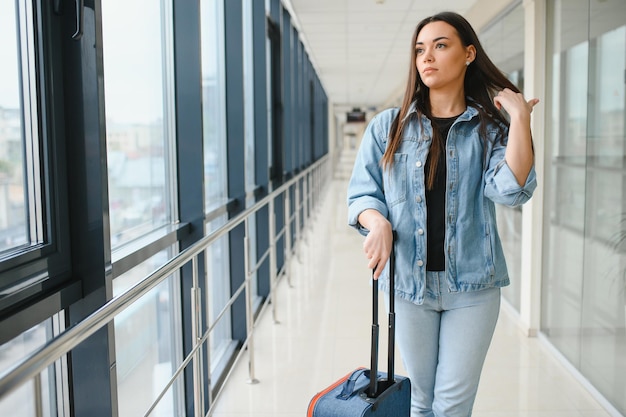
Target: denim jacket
473	257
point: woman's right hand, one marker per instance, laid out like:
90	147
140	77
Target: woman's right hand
377	243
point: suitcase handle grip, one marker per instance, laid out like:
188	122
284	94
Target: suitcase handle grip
373	386
348	386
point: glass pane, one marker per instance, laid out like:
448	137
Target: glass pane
249	164
148	344
137	80
504	42
218	273
584	280
13	206
214	134
565	176
213	99
248	76
603	342
510	229
23	401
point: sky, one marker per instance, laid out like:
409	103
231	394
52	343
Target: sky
133	63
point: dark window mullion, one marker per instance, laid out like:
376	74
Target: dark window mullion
92	363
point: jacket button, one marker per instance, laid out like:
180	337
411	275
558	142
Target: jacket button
420	263
420	232
418	164
418	199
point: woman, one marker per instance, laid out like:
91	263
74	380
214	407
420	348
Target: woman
432	171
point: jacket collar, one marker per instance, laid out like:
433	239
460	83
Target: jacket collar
468	114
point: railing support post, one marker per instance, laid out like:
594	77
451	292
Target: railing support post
298	219
288	233
272	238
249	313
196	332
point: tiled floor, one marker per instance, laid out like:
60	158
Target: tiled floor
324	332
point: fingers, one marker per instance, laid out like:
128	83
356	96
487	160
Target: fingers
500	97
377	263
532	103
379	267
506	96
377	248
373	261
512	101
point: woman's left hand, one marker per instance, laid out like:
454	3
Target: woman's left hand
514	103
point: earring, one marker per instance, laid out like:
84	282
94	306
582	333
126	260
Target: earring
467	63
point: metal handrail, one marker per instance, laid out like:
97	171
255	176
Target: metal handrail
55	348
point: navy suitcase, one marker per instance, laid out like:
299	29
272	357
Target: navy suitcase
368	392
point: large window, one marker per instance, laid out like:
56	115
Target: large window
34	256
215	185
584	271
13	112
139	91
138	103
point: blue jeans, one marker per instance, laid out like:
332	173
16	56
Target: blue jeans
443	344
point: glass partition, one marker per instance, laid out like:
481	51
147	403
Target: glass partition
504	43
584	284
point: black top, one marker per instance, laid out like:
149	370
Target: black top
436	202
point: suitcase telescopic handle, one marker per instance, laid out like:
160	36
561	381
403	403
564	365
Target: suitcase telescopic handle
373	388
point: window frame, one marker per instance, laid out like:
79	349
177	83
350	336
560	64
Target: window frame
39	274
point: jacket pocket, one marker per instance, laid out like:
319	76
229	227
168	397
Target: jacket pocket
396	180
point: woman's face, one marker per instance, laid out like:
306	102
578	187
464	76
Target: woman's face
440	57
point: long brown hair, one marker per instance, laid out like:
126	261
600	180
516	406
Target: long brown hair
482	81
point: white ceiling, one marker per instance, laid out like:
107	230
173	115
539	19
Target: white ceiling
360	48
